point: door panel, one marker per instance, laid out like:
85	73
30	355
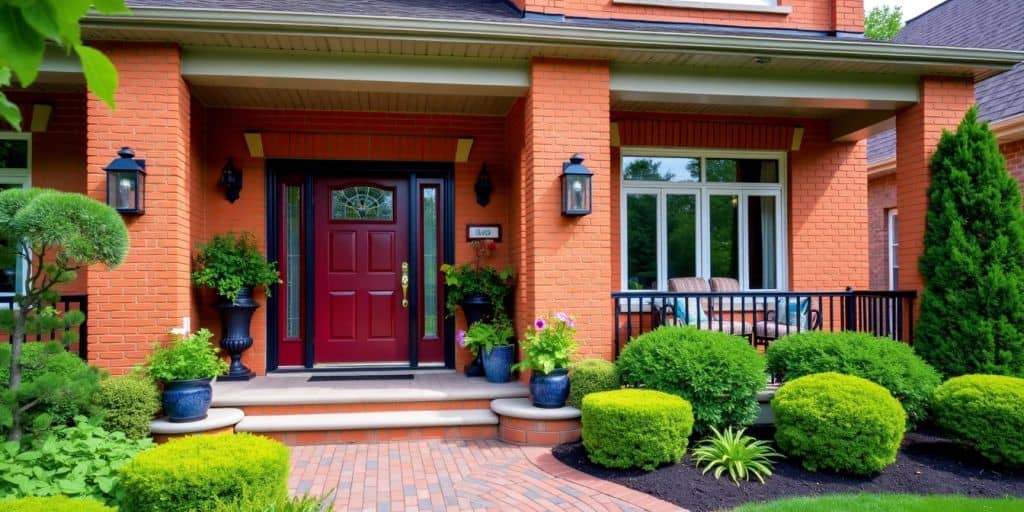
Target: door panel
361	239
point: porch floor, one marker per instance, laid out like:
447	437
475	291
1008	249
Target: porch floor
297	390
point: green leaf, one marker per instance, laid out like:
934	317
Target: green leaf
106	483
41	17
111	6
21	47
68	12
28	456
100	73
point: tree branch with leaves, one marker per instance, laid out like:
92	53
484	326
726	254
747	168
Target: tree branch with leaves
883	23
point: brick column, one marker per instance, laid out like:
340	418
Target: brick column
848	16
918	128
565	263
138	303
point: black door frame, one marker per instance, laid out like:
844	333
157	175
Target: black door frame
276	168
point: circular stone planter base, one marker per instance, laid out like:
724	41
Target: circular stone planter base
217	421
519	422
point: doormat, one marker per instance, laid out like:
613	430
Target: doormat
329	378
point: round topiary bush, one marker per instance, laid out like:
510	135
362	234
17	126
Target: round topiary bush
986	411
891	364
640	428
54	504
200	473
838	422
590	376
718	373
128	404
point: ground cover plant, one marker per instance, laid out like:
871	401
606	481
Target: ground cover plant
891	364
717	373
986	411
736	454
635	428
837	422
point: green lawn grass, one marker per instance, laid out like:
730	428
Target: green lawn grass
887	503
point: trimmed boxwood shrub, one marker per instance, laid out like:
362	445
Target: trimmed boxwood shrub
128	404
885	362
203	472
986	411
838	422
718	373
590	376
54	504
630	428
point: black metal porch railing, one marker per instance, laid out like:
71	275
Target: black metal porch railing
765	316
66	303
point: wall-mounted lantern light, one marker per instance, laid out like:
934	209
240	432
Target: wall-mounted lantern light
576	187
126	183
231	178
483	186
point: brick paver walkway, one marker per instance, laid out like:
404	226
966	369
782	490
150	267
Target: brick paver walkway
455	475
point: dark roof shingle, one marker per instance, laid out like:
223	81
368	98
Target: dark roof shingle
477	10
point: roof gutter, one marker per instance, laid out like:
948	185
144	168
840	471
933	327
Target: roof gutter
540	35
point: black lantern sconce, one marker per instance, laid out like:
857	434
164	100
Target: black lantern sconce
126	183
483	187
231	178
576	187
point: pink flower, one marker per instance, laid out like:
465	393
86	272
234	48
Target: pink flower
565	319
460	337
540	324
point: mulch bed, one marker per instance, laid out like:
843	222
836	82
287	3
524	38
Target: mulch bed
927	464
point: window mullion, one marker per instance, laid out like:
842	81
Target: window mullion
661	244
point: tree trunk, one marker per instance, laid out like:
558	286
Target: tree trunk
17	341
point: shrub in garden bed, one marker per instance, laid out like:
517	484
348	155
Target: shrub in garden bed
54	504
205	472
986	411
635	428
590	376
838	422
82	460
891	364
128	404
718	373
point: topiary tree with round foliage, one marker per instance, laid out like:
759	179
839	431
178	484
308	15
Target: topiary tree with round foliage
972	308
57	233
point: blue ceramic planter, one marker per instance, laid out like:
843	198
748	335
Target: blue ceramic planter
187	400
550	391
498	363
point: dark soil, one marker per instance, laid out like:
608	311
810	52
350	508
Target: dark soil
927	464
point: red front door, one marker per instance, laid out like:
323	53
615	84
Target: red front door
361	256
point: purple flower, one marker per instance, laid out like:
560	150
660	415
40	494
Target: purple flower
540	324
460	336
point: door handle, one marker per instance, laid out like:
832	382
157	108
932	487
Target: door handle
405	284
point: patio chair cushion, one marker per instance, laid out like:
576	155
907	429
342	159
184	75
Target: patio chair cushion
793	311
689	311
725	284
769	329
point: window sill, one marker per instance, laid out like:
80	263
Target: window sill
716	6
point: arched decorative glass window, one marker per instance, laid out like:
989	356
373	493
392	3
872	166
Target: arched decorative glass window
362	202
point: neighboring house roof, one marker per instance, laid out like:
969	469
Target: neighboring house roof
478	10
996	24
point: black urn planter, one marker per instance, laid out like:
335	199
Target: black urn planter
476	308
235	318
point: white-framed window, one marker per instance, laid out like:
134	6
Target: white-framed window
708	213
893	244
15	172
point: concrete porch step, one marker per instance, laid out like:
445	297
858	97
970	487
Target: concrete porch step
369	427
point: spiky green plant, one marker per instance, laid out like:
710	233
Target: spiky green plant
739	454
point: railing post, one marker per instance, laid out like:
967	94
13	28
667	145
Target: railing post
851	309
83	330
616	308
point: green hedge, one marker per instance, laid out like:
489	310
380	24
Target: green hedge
203	472
635	428
838	422
127	404
891	364
986	411
63	383
590	376
54	504
718	373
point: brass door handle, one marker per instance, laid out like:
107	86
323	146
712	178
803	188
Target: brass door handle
405	284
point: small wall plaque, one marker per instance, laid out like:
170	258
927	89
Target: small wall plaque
483	232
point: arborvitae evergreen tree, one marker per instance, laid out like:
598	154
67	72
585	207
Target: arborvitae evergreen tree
972	309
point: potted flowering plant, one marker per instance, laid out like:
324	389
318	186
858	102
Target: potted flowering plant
491	340
186	367
550	343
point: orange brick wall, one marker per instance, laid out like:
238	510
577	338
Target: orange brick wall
918	128
352	136
1014	154
881	199
828	15
137	304
565	262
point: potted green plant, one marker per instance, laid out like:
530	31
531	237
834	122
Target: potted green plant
493	341
185	367
232	265
547	350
